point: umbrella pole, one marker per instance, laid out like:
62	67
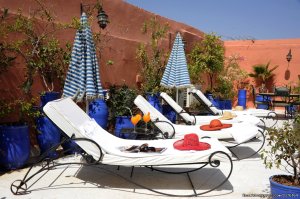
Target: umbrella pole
177	103
87	106
177	95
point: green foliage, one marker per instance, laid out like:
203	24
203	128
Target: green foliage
5	108
26	110
120	99
224	88
284	146
110	62
151	57
36	43
207	57
262	72
5	59
50	62
230	78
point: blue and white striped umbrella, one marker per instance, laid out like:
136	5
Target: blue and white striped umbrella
83	75
176	74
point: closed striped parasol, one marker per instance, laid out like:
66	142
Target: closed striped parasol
176	74
83	75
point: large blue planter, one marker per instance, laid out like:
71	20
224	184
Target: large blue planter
283	191
242	98
70	147
212	100
168	111
123	122
153	99
291	109
49	96
99	111
260	98
49	135
14	146
224	104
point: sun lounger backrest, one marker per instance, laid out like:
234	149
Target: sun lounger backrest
71	119
206	101
164	124
179	110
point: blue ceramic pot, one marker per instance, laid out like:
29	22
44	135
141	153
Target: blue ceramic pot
242	98
124	122
99	111
260	98
283	191
169	112
14	146
153	99
70	147
49	96
211	98
227	104
49	135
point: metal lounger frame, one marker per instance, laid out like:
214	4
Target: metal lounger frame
20	187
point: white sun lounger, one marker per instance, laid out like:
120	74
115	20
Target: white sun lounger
256	112
265	114
73	120
191	119
107	148
239	132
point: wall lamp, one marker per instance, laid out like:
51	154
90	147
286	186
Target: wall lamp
289	57
101	16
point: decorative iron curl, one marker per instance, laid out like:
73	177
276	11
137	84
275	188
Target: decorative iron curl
19	187
166	134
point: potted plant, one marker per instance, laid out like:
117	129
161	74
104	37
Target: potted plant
207	57
223	92
284	149
121	106
14	135
228	82
33	40
263	75
152	60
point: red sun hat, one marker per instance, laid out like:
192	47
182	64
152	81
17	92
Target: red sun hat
214	125
191	142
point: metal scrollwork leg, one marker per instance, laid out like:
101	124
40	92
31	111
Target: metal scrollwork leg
271	118
18	187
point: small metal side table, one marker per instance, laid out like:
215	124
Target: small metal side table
140	134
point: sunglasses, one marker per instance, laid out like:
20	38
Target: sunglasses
146	148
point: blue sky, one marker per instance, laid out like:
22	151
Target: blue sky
232	19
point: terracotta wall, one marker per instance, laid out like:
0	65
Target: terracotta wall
273	51
263	51
122	36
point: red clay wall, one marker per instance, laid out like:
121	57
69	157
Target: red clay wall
123	34
264	51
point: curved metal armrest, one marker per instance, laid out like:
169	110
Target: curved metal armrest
166	134
188	122
216	108
201	101
87	156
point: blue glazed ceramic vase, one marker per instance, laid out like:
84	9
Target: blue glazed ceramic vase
14	146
